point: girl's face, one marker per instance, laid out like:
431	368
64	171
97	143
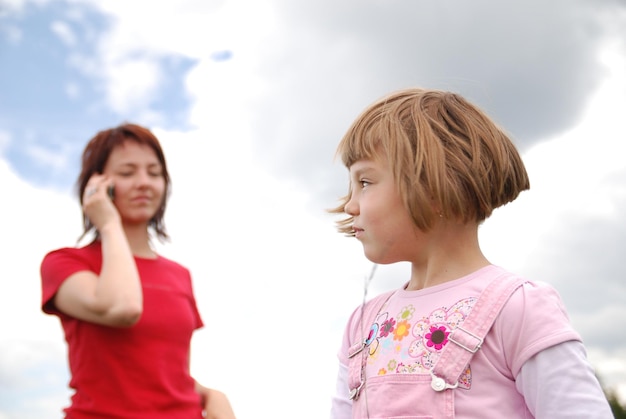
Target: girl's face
381	221
138	178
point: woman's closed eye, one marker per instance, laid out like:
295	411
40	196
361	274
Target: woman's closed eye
152	173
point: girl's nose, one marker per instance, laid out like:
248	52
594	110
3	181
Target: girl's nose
351	207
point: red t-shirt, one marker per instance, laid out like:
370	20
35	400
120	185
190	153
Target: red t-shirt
136	372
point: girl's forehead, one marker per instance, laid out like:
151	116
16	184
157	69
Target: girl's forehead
361	164
365	165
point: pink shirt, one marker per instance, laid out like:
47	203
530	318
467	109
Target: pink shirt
413	327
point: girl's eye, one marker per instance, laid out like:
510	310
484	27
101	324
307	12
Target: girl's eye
364	183
156	174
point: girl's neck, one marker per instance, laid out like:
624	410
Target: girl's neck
453	254
435	274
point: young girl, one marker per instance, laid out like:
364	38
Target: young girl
128	313
462	338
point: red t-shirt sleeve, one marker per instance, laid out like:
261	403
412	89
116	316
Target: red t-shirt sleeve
197	316
55	268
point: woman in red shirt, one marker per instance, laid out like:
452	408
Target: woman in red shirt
128	313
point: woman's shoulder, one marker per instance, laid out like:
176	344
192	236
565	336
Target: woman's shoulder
87	251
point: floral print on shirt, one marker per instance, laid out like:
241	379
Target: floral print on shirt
405	345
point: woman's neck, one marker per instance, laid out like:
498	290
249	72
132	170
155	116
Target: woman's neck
139	241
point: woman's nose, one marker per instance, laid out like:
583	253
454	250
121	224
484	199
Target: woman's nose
143	178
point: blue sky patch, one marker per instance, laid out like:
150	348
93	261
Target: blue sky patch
49	107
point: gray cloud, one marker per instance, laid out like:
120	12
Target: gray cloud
531	65
583	257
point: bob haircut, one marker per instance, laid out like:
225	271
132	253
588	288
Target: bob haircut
96	155
449	159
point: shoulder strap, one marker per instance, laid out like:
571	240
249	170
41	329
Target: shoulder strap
468	338
360	339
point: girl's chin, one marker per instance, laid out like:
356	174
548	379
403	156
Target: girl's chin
372	257
378	258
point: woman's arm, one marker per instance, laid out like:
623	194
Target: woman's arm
215	403
113	298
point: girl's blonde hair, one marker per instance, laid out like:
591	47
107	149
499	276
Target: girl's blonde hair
448	157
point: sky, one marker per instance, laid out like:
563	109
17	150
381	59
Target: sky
250	100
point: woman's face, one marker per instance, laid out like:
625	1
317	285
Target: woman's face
138	178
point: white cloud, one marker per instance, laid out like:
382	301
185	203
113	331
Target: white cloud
12	6
611	368
34	222
32	346
133	83
57	159
128	55
5	141
72	90
64	32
